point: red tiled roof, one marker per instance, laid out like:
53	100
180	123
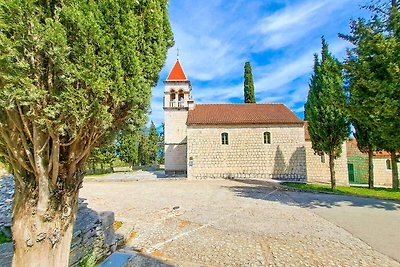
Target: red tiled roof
378	154
242	114
177	73
382	154
306	132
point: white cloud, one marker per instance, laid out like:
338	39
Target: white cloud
279	37
295	21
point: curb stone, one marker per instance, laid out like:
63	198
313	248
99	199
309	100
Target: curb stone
294	189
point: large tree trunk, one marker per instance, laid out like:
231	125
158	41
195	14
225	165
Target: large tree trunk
332	170
370	168
42	239
395	171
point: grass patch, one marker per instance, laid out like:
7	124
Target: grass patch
351	190
4	238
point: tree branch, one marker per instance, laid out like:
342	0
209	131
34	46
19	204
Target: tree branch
24	122
13	151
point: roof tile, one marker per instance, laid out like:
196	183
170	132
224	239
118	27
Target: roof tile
242	114
177	73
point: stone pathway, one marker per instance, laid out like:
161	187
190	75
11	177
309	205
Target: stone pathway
132	176
226	223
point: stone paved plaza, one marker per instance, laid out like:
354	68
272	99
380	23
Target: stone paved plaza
243	223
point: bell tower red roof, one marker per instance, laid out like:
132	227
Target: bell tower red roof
177	73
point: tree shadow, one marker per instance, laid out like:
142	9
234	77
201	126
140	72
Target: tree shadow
295	170
279	164
269	191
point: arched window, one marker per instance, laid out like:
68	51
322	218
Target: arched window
267	138
172	95
181	95
224	137
388	164
181	98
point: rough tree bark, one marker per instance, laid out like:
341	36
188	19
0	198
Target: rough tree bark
48	174
42	239
370	168
332	170
395	171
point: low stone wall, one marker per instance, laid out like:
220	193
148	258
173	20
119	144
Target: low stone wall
93	234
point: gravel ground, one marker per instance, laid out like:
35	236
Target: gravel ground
226	223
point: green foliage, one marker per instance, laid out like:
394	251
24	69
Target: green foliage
326	117
104	155
88	261
71	71
161	153
4	238
148	147
373	69
325	108
249	95
359	191
128	146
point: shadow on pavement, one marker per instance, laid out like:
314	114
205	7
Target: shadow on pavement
264	190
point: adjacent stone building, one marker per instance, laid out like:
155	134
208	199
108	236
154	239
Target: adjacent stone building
237	140
318	165
358	166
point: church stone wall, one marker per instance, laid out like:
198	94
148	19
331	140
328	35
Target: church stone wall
318	171
246	155
175	140
382	176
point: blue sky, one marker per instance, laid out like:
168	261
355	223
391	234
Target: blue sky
278	37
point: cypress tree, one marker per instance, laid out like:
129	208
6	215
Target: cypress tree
373	69
328	126
249	96
128	142
71	72
148	146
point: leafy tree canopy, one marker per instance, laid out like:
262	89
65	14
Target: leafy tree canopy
70	72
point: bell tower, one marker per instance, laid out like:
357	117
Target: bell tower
177	102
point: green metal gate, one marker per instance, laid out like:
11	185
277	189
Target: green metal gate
358	169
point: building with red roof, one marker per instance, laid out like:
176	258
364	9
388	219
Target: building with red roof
234	140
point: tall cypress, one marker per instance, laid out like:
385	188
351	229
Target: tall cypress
373	69
328	125
71	72
249	96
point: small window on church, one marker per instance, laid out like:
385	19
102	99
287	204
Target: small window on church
224	137
267	138
388	164
322	158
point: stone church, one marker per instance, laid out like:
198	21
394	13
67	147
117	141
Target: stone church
237	140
